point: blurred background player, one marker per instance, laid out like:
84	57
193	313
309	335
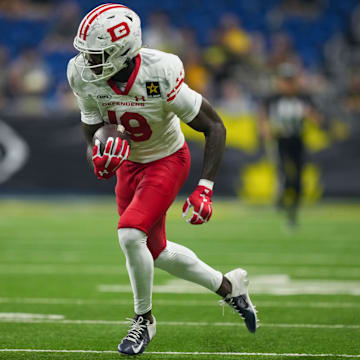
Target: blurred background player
146	93
281	120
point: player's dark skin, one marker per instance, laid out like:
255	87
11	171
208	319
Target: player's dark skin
207	121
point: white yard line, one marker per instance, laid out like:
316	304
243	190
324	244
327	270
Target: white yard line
62	301
274	284
197	353
56	269
161	302
298	269
29	316
172	323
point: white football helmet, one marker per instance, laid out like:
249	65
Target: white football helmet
111	34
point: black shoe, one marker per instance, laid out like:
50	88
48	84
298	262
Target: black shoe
139	335
292	218
239	298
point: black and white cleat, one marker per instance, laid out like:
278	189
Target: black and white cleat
138	337
239	298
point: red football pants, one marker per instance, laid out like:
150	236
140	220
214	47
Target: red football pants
144	192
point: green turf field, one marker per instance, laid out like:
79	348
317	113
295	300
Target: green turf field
64	290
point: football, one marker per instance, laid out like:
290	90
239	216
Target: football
106	131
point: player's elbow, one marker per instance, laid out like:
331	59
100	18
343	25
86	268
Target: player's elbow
216	129
222	129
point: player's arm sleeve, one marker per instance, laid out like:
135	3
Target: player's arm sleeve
90	113
179	98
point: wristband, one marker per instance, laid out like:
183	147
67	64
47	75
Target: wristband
207	183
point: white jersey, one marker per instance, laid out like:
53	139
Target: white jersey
149	106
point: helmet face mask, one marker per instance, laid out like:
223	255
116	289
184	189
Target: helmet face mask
108	37
97	70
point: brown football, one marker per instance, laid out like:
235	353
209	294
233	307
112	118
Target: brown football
106	131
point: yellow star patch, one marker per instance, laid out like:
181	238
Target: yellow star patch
153	88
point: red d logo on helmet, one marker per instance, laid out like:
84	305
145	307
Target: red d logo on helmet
119	31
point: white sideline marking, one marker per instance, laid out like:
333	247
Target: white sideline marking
11	316
175	323
160	302
186	353
278	284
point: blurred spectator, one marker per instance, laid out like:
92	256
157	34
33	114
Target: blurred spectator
216	59
234	38
25	9
228	54
63	100
281	50
258	50
28	82
197	76
61	35
342	61
234	100
15	8
159	34
355	27
352	96
301	9
231	52
188	41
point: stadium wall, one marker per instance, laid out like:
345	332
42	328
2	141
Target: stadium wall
47	156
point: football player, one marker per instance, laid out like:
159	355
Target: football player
116	81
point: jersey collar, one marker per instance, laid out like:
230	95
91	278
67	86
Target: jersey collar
131	80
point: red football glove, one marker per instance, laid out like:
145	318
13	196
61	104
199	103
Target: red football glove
200	199
115	153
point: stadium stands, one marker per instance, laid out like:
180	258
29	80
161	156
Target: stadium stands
309	25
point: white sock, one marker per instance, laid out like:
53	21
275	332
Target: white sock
183	263
140	267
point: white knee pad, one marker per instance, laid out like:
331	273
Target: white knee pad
130	238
